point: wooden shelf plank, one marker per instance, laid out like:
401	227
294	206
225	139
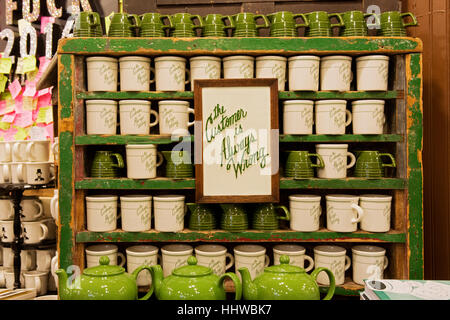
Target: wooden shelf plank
125	183
128	139
342	138
284	95
235	45
187	235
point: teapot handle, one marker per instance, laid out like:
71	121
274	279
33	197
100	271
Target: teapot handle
236	281
332	286
135	275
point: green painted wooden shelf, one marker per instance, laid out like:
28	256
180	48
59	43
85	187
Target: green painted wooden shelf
187	235
284	95
342	138
285	183
235	45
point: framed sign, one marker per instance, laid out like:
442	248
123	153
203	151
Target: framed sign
236	140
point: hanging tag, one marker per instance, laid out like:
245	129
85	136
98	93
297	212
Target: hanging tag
29	64
3	80
5	65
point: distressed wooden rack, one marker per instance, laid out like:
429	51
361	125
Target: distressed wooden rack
403	138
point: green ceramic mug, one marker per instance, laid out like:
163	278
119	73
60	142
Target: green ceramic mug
87	24
392	23
184	26
123	25
234	217
246	26
265	217
355	23
283	23
215	25
299	165
369	164
152	24
320	25
106	164
202	217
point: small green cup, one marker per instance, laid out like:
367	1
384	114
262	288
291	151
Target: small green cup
265	217
106	164
246	26
370	164
152	24
283	23
215	25
320	24
87	24
184	26
124	25
299	165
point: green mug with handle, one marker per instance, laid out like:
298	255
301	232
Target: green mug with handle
246	25
152	24
123	24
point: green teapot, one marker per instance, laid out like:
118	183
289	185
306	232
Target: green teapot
284	282
192	282
102	282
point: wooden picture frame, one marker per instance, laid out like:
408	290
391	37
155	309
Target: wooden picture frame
236	140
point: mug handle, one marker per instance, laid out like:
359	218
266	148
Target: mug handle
339	17
231	263
44	229
41	208
53	208
286	216
231	25
135	275
393	164
349	117
28	153
236	281
55	148
266	21
15	150
6	173
200	21
20	172
119	159
319	157
331	279
190	110
161	159
413	23
305	20
137	21
154	123
152	70
266	260
311	263
386	262
11	216
352	161
188	76
122	259
94	19
169	18
377	23
360	212
348	263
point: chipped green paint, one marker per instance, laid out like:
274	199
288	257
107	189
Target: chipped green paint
245	236
194	46
125	183
342	138
65	197
122	95
415	183
65	85
348	183
128	139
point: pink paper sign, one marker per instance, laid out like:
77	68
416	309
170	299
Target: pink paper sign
15	88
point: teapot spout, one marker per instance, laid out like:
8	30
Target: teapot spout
249	289
64	291
157	278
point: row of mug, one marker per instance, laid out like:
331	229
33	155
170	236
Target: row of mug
32	207
40	280
33	232
35	173
369	262
244	24
171	73
26	150
39	259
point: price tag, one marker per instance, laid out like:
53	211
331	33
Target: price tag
29	64
5	65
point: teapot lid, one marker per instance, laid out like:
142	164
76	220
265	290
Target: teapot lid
284	267
104	269
192	269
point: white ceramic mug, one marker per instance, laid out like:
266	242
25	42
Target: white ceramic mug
136	212
5	151
102	73
52	228
6	208
101	213
101	117
336	73
238	67
96	251
55	149
214	256
37	173
8	257
54	206
44	259
204	67
14	169
368	116
335	159
296	254
5	173
7	230
38	151
142	255
272	67
19	151
174	117
135	117
253	257
372	73
142	161
34	231
298	116
305	212
46	203
332	116
28	259
135	73
343	212
169	212
369	262
32	208
170	73
9	275
36	280
304	73
334	258
174	256
377	212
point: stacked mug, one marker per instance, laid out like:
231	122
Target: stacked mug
283	24
184	26
319	24
246	24
124	25
152	24
26	162
355	23
87	24
393	25
215	25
